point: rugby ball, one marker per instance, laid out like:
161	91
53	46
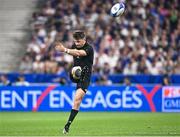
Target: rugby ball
76	72
117	9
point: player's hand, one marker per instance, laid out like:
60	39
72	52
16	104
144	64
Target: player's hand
59	47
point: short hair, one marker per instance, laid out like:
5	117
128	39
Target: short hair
79	35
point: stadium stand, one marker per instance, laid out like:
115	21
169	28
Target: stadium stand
144	41
14	16
123	45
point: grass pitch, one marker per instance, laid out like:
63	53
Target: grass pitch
90	124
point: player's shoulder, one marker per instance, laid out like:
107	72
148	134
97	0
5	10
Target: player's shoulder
89	46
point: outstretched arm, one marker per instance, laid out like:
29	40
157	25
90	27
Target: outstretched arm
74	52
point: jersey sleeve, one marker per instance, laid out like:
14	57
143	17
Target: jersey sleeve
89	50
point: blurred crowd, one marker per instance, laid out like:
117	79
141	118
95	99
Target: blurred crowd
144	40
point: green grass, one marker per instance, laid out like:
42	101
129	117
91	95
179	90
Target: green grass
90	124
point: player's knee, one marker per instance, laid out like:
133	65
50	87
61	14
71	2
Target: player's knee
78	98
77	103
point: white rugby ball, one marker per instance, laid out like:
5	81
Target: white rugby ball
117	9
76	72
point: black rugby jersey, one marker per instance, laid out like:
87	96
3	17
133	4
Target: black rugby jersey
84	61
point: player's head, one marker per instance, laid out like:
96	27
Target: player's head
79	38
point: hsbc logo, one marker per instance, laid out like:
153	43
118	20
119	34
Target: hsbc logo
171	99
